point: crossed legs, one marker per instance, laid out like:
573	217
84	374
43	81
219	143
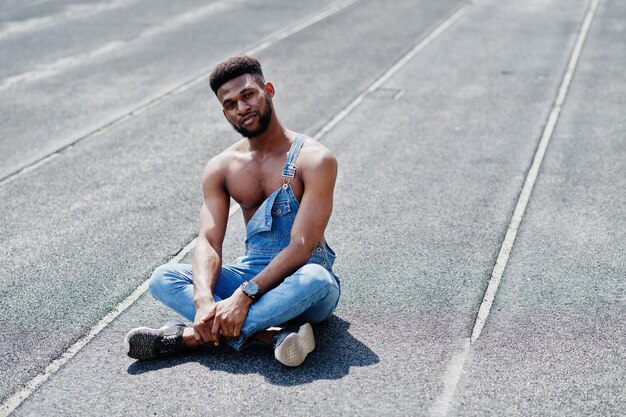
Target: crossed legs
310	295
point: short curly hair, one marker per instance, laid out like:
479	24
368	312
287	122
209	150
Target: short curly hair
234	67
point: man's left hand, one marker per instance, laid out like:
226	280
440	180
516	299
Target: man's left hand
230	314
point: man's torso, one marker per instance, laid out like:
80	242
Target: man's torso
249	179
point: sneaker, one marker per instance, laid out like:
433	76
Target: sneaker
144	343
291	346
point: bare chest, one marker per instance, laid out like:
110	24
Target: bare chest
250	183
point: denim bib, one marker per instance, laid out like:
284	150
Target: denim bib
269	230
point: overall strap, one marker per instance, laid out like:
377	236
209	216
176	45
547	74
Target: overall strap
289	169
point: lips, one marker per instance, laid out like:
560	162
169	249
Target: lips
247	119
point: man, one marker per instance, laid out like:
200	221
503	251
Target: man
284	184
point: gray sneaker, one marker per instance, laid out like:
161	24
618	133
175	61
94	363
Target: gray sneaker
145	343
291	346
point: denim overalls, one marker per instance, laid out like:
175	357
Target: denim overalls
310	295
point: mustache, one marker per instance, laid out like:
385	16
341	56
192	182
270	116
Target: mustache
246	115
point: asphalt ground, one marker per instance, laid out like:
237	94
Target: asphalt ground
432	161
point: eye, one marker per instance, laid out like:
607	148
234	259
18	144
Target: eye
229	106
247	95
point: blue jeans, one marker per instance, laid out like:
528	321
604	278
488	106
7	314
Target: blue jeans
310	295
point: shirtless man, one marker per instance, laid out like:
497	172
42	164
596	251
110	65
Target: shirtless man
284	183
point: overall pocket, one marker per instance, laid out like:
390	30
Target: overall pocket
281	208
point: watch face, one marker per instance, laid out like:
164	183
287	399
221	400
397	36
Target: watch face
252	288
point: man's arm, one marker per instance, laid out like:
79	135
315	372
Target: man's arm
207	255
311	221
319	173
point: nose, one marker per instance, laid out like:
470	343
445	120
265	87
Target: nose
242	107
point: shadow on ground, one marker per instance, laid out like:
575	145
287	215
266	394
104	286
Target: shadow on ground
336	351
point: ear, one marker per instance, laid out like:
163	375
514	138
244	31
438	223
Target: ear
269	87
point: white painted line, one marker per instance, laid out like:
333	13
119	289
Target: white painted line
450	381
62	64
160	97
398	95
300	26
455	367
439	29
73	11
522	202
31	167
16	399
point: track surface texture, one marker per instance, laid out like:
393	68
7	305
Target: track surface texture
435	111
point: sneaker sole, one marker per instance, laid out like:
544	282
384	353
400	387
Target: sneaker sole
135	347
295	348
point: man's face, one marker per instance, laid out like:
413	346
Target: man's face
246	104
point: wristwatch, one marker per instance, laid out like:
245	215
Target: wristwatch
251	289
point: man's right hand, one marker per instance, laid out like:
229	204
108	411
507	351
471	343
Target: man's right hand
203	322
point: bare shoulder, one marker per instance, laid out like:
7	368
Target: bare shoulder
216	168
317	158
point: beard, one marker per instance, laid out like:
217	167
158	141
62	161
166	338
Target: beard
264	122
